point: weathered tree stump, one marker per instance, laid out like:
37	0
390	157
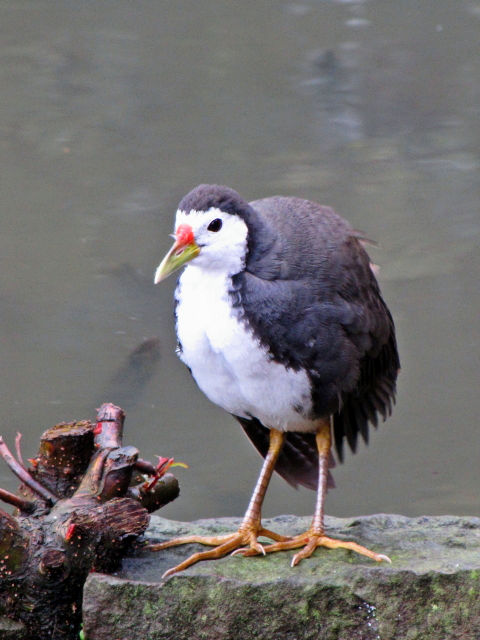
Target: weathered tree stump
83	500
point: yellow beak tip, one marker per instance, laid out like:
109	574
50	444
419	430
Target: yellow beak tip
173	261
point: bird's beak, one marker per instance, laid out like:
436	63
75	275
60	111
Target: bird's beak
184	249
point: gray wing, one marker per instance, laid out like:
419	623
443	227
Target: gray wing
311	293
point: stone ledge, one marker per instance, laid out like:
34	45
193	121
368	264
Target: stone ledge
430	592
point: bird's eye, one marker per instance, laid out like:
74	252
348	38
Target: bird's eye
215	225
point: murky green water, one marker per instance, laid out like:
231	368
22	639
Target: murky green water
111	111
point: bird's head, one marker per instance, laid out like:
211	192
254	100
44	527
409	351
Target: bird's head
210	232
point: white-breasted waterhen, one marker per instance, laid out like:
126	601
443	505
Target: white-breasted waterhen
281	322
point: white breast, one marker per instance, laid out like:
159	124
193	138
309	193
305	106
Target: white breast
228	362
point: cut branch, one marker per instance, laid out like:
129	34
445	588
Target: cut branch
26	506
24	475
18	449
64	455
164	491
109	429
145	467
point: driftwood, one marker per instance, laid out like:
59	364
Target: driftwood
83	500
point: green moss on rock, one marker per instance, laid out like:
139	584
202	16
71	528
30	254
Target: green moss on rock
430	592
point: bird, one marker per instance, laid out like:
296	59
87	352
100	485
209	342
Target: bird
281	322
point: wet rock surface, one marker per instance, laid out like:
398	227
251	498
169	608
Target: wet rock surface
430	591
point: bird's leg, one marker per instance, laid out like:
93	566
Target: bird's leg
315	537
251	523
245	539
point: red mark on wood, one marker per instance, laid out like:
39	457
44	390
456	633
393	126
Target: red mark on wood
70	531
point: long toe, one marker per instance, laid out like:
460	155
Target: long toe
212	554
306	552
334	543
211	541
244	542
309	541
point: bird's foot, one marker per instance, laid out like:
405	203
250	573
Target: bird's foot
310	540
243	541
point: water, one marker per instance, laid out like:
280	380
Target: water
110	112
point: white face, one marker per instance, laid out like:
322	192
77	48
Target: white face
223	247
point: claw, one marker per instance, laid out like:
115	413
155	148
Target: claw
382	556
169	573
253	549
306	552
260	548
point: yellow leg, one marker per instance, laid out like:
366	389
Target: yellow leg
315	537
245	539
